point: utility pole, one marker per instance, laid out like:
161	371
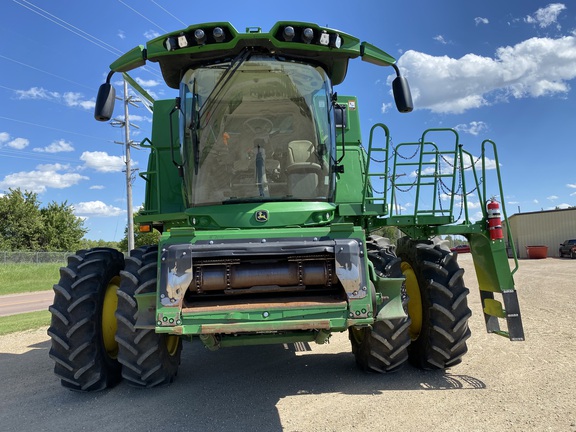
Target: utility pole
128	100
130	214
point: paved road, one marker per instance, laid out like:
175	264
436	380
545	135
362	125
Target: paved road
30	302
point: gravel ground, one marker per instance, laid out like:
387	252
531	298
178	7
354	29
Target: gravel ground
500	385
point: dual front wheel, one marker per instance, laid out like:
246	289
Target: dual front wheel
94	341
434	334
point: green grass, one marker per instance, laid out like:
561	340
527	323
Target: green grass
22	278
25	321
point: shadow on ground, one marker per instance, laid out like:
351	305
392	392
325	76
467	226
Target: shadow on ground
232	389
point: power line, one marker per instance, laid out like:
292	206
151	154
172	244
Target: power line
81	33
168	12
92	39
23	154
52	128
147	19
44	72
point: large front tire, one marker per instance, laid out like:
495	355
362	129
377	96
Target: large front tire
149	359
437	304
83	322
382	348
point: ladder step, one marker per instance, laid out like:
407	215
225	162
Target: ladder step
493	310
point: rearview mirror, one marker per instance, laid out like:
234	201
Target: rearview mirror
402	95
105	102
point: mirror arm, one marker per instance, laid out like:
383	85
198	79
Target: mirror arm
109	77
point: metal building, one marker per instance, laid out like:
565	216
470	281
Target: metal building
543	228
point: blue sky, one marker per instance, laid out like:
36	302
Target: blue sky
502	70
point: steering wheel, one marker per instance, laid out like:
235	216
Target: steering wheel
259	125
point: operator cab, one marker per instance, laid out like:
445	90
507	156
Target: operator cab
257	129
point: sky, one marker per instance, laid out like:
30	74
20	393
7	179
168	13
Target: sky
499	70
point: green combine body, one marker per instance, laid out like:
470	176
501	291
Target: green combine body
266	197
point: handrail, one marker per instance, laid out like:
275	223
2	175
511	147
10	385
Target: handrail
501	190
367	173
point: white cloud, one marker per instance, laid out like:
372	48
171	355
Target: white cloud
44	177
136	118
446	165
440	39
121	34
474	205
151	34
472	128
552	197
18	143
386	108
571	185
53	167
147	83
96	208
102	162
533	68
480	20
546	16
97	187
37	93
56	147
560	206
70	99
75	99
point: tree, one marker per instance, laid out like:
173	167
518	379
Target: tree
62	230
140	239
25	226
387	231
90	244
20	220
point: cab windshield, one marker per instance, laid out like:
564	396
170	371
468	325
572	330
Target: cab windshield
256	131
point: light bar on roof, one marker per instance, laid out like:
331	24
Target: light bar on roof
307	35
197	37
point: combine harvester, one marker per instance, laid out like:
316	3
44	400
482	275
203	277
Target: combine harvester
266	195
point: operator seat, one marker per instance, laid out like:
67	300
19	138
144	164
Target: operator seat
303	173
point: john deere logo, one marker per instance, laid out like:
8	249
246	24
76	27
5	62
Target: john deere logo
261	215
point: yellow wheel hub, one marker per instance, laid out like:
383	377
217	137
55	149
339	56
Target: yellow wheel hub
109	323
357	334
414	300
172	344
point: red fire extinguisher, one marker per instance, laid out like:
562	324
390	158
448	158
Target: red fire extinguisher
494	222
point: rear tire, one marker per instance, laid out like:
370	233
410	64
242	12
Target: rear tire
437	304
382	347
83	322
149	359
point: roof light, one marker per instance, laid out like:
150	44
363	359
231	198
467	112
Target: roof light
171	43
324	39
218	34
335	40
289	33
308	35
182	41
200	36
